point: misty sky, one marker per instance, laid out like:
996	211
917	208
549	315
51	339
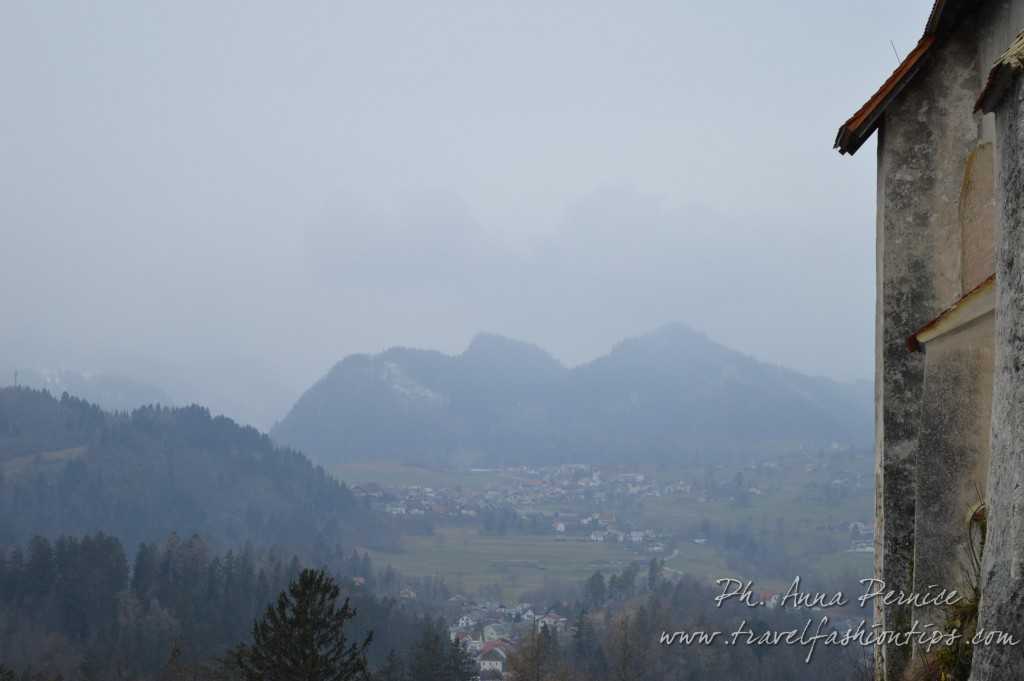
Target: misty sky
234	195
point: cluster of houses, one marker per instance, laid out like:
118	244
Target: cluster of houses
416	500
602	527
572	485
578	485
581	486
522	489
490	631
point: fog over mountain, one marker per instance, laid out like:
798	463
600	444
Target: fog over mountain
633	291
221	202
109	391
671	395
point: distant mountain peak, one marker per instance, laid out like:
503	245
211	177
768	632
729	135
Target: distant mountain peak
494	349
674	338
670	393
677	329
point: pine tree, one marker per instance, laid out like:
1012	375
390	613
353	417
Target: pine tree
15	574
302	637
624	652
41	569
587	654
145	574
460	665
392	669
596	590
427	660
655	569
538	658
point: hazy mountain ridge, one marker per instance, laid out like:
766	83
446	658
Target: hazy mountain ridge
108	390
671	393
68	467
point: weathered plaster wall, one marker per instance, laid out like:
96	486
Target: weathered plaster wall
978	217
925	140
1002	604
939	200
881	457
952	459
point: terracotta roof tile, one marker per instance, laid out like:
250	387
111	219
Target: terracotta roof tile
856	130
859	127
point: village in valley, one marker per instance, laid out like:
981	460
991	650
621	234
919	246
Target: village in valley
491	534
515	505
605	504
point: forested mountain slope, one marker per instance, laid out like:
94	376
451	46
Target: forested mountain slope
67	467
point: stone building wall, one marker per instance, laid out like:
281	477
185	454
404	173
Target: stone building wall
1002	603
949	421
925	141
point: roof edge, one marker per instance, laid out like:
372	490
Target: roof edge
1009	64
976	303
859	127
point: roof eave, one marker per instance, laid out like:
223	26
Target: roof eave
1001	77
863	123
976	303
941	20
